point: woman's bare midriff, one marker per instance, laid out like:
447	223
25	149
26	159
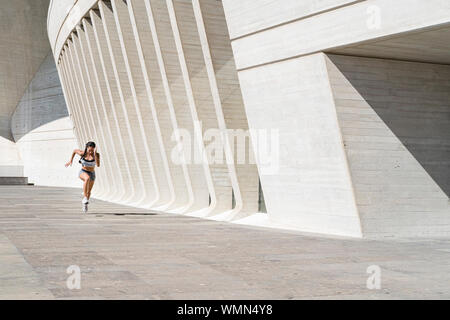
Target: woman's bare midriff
88	169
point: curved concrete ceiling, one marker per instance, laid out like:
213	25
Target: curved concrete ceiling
23	47
429	45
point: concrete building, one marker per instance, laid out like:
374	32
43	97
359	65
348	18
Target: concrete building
360	93
35	131
344	106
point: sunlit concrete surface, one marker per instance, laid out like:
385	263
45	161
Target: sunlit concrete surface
350	97
126	253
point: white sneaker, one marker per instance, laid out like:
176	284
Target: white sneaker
85	208
85	200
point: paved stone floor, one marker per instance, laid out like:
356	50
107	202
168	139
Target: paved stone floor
127	253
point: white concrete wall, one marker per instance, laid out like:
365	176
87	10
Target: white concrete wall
45	150
11	164
35	133
395	121
23	46
312	189
43	131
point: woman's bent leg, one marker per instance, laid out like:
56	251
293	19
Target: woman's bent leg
86	181
89	188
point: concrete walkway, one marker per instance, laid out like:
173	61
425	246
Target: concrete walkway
127	253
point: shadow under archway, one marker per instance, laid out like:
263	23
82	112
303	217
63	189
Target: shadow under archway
413	100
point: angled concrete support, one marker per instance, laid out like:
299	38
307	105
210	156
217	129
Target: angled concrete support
228	103
177	97
100	127
115	116
79	103
153	80
88	104
146	116
73	101
68	98
111	138
76	94
311	187
200	103
146	191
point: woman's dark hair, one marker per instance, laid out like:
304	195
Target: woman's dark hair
89	144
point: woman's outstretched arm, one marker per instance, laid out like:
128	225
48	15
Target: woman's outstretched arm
76	151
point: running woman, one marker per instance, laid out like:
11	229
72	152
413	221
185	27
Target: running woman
89	158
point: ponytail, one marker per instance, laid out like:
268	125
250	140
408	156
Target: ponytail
84	154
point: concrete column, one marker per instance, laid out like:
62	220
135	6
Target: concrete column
177	96
77	93
145	108
111	138
310	185
156	83
132	117
229	106
99	125
103	182
126	163
75	98
84	135
68	97
200	102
